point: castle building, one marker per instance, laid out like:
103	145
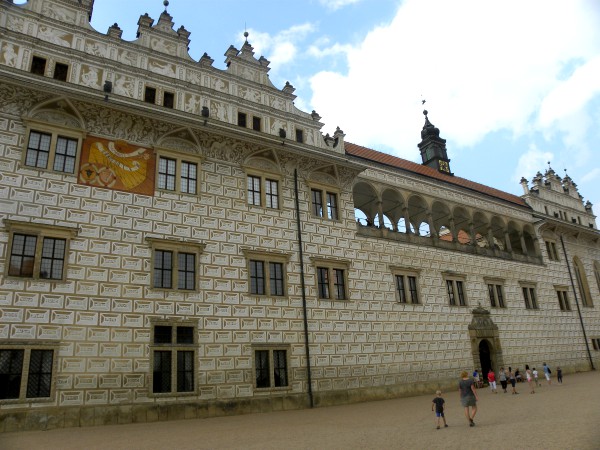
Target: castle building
180	241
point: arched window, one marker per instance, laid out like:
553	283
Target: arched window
584	289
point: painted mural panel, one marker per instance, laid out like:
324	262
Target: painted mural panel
117	165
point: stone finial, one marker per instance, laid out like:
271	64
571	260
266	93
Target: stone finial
115	31
206	61
315	115
288	88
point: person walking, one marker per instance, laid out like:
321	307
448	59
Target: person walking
513	380
547	373
438	406
535	377
502	378
491	376
468	396
559	374
529	378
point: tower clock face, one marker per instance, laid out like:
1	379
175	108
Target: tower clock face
444	166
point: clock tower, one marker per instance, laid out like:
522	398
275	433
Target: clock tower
433	148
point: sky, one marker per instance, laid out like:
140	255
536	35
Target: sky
511	84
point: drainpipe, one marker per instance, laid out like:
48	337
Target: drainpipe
587	346
306	346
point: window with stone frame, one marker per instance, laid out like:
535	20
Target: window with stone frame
597	273
175	264
61	71
596	343
455	289
38	251
529	295
267	273
177	173
27	372
495	288
150	94
263	188
325	202
563	298
331	278
52	148
407	286
582	284
38	65
173	355
271	367
551	250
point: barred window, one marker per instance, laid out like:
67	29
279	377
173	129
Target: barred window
406	286
529	297
456	291
563	299
496	295
551	250
331	278
266	273
324	203
173	357
51	150
263	190
177	175
26	372
271	368
38	251
174	265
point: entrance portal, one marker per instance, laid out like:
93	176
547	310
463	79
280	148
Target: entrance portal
485	358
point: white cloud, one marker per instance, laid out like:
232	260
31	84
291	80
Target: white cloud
333	50
482	66
282	47
531	162
337	4
591	175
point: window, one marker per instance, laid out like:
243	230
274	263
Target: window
52	149
582	284
271	368
173	357
455	288
26	372
168	100
406	285
596	343
331	279
177	175
256	123
299	135
242	119
174	265
529	297
38	251
263	190
551	249
496	293
597	273
324	203
266	273
563	299
61	71
38	65
150	94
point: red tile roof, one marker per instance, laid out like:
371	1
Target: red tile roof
403	164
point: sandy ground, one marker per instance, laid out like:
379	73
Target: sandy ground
563	416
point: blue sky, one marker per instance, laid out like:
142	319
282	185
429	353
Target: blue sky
511	84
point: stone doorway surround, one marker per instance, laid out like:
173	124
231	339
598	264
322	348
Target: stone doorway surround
481	328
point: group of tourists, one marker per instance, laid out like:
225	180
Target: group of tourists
467	388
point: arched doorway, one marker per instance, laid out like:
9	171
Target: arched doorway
485	358
485	342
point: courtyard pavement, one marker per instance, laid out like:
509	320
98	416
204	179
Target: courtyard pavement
563	416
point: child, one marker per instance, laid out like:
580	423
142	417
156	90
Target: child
492	381
438	404
535	377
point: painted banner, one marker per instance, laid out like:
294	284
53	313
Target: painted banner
117	165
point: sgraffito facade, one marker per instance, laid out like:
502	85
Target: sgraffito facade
181	241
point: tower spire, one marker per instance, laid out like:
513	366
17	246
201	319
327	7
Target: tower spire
433	147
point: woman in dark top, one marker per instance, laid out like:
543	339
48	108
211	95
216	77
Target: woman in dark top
468	396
